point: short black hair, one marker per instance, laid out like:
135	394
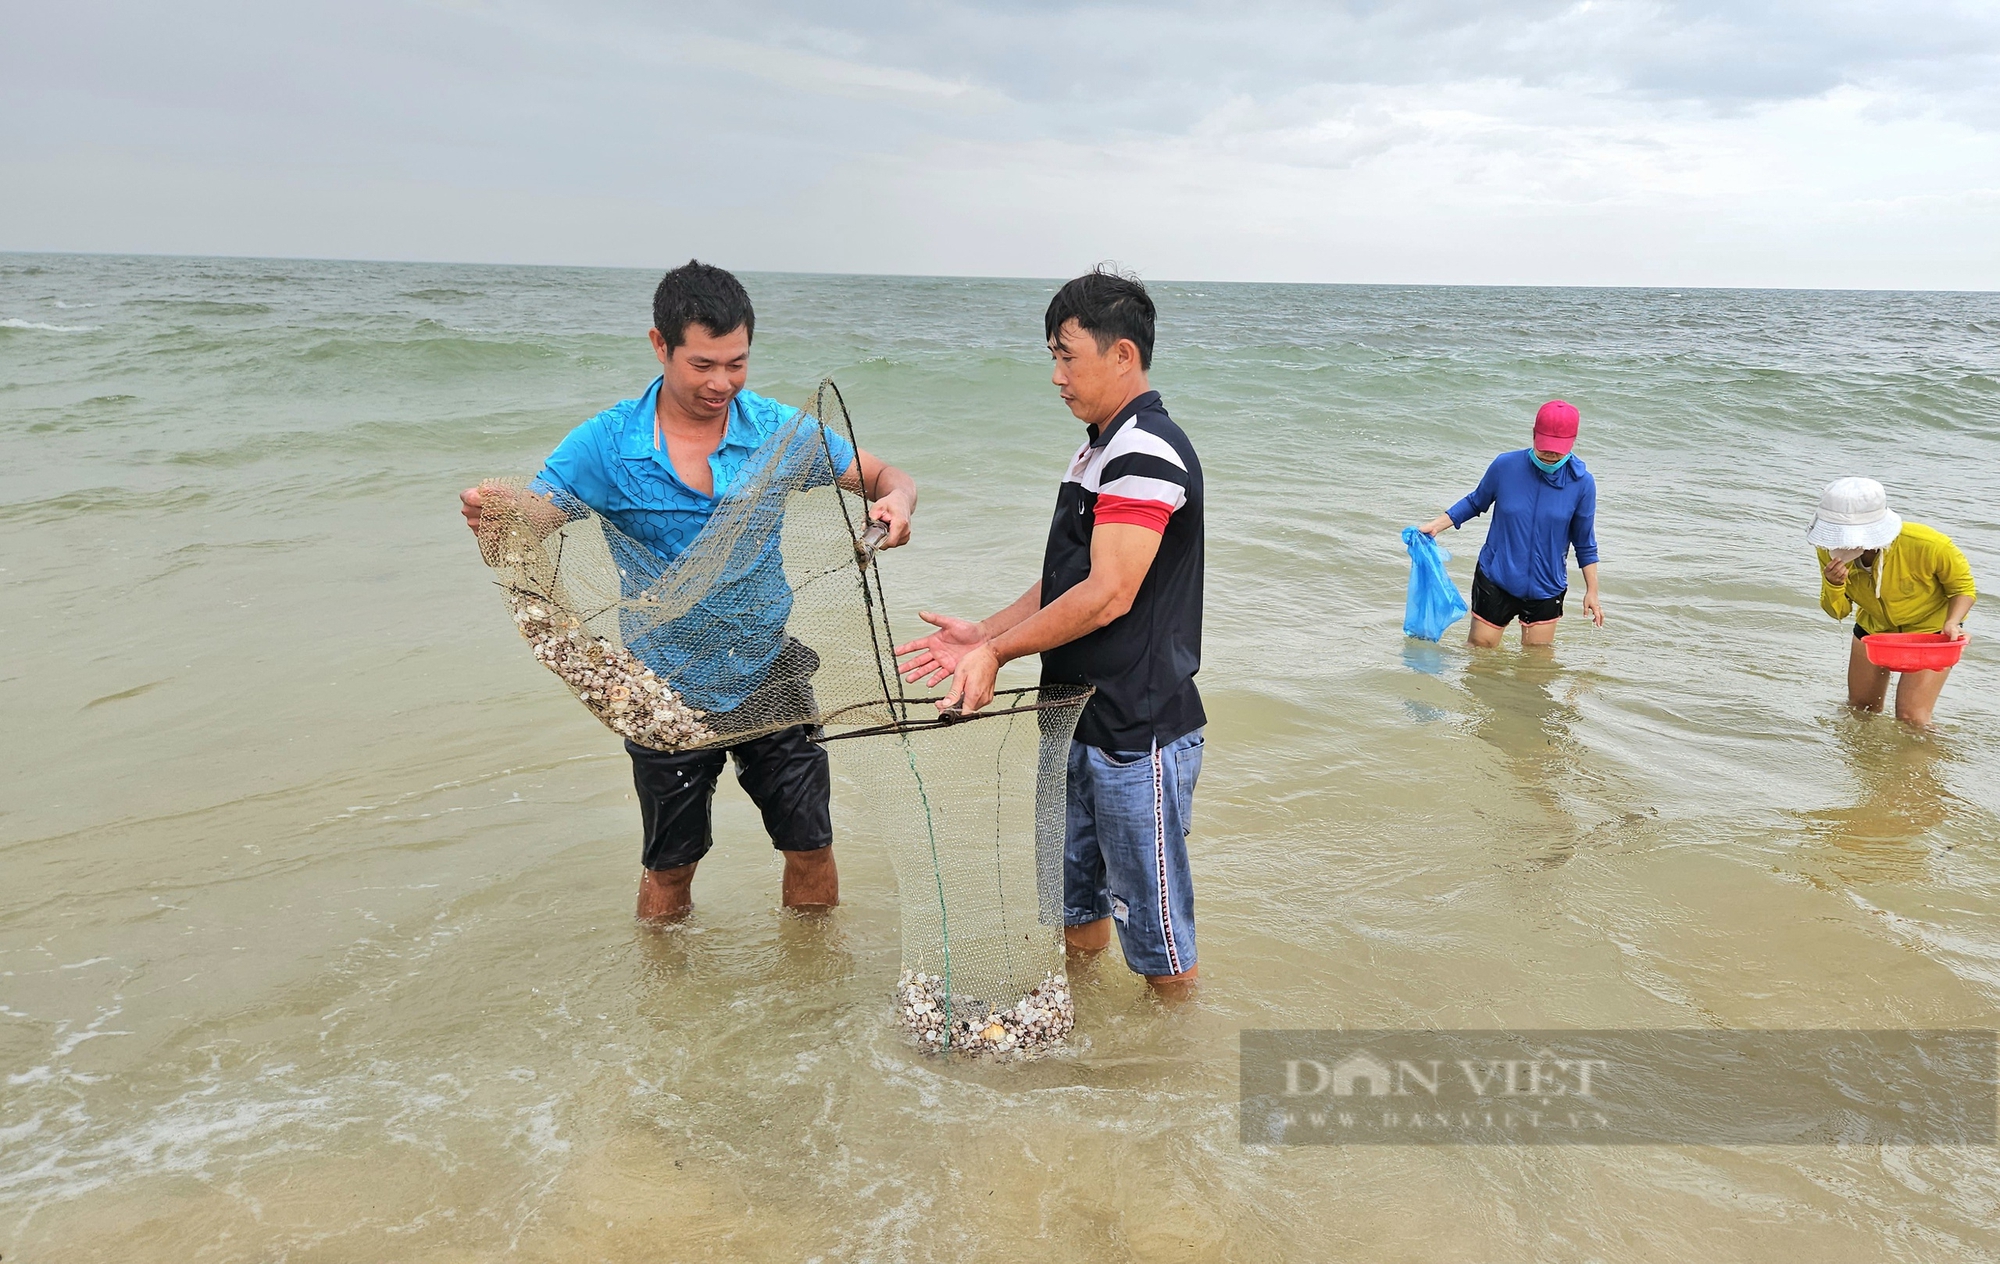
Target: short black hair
698	293
1107	305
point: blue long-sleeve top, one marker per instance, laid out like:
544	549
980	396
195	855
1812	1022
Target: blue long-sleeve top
1537	519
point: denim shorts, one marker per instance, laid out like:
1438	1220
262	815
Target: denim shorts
1125	849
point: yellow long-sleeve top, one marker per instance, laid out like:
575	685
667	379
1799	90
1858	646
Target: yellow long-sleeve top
1908	589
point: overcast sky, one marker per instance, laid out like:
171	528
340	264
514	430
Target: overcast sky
1808	144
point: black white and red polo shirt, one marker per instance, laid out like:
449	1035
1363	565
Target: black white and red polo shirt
1138	468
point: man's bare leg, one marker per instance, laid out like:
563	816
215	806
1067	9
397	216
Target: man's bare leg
1916	696
1086	941
664	894
811	881
1867	684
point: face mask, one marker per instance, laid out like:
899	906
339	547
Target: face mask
1548	467
1845	555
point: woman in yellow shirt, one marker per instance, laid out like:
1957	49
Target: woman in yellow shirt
1895	576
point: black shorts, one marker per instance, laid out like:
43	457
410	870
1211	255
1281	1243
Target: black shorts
1495	605
785	774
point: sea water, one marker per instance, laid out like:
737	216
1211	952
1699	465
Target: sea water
315	891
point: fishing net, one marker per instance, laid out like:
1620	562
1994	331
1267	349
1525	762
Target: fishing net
773	615
973	811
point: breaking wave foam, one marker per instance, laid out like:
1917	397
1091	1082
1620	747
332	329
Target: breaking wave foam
14	322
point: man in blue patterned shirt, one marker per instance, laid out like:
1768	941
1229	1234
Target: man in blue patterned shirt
655	468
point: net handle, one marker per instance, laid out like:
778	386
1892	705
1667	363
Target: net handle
865	543
946	719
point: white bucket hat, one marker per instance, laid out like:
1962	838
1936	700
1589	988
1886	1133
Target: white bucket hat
1854	514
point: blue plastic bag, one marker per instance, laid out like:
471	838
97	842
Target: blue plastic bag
1434	603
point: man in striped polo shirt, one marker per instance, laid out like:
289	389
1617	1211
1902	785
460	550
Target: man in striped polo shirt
1118	607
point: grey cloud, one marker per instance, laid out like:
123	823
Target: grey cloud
589	129
667	93
1155	67
460	94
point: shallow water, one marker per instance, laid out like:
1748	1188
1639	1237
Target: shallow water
315	891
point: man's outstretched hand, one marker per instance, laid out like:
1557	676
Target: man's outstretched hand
972	685
939	654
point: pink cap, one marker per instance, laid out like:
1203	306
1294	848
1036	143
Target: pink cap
1555	427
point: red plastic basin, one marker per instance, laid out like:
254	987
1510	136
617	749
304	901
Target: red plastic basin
1912	651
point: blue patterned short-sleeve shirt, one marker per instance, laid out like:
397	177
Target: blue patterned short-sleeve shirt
616	464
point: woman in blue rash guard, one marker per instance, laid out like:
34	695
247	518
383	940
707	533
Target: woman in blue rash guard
1544	504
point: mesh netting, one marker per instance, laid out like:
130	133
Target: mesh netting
773	615
973	815
770	617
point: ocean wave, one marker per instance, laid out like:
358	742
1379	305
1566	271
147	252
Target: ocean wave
15	322
204	307
442	292
100	500
380	355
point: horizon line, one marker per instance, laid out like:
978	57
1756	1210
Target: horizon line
970	276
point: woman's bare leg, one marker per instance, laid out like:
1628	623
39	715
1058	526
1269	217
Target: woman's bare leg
1543	633
1867	684
1482	634
1917	695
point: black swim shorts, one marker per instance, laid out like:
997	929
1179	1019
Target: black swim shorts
785	774
1495	605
